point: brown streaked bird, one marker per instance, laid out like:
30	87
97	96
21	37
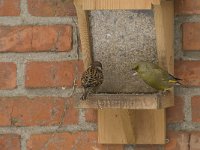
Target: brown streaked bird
92	78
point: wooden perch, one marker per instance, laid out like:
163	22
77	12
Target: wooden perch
126	101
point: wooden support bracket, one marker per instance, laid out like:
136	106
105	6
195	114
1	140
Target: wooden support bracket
143	121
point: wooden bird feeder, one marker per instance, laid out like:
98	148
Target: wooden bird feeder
129	118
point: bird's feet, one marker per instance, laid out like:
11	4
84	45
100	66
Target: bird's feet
164	92
83	97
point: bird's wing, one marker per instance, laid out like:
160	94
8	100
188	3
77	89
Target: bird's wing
158	74
92	78
166	76
173	77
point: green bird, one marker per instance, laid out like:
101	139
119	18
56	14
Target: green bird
155	76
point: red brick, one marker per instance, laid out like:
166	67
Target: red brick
188	71
91	115
36	38
9	7
176	113
195	108
68	141
52	74
8	75
191	34
187	7
195	141
178	141
51	8
38	111
9	142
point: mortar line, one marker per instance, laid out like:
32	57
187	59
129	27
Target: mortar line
20	75
35	56
47	129
24	9
82	116
76	46
187	108
178	40
184	126
188	18
16	21
49	92
188	57
24	139
184	91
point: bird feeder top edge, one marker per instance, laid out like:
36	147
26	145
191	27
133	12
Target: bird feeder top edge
118	4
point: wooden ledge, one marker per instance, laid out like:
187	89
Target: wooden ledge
126	101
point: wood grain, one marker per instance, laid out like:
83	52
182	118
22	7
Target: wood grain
125	101
150	126
115	126
164	23
118	4
83	25
120	126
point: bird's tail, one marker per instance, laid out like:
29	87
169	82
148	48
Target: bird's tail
181	84
175	80
85	94
178	82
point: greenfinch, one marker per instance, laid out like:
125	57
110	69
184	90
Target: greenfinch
92	78
155	76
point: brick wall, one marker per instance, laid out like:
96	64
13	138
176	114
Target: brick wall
39	65
183	119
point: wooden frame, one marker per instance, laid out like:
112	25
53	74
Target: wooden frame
141	118
118	4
